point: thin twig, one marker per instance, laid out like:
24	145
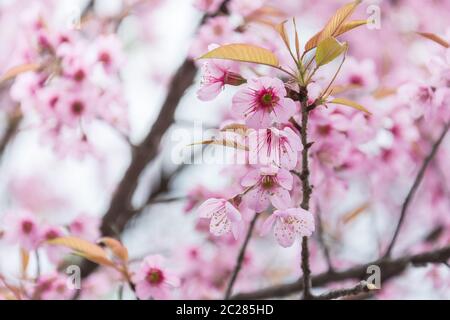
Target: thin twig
240	258
322	241
38	263
415	186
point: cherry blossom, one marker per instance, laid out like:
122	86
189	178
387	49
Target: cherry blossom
23	228
153	280
224	216
215	75
274	147
268	185
263	101
289	224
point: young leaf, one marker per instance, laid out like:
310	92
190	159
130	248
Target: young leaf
84	249
333	25
349	103
350	216
15	71
282	32
116	247
243	53
435	38
350	26
328	50
223	142
297	40
236	128
383	92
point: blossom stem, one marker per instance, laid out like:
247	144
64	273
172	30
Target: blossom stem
415	186
307	190
38	263
240	258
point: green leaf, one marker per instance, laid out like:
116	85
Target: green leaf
349	103
243	53
328	50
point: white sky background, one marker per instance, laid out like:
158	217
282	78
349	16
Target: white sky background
88	184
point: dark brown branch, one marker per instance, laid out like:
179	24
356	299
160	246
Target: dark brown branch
361	287
240	258
306	190
415	186
389	269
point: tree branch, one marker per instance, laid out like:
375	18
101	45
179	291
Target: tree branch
415	186
240	258
306	189
389	268
361	287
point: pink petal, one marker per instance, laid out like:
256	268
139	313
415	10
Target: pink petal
251	178
284	233
259	119
219	225
257	200
303	221
241	102
284	110
207	208
281	199
293	139
267	225
209	91
285	179
232	213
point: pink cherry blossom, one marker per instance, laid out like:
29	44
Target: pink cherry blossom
289	224
268	185
419	97
215	75
53	287
23	228
225	218
86	227
262	102
153	280
274	147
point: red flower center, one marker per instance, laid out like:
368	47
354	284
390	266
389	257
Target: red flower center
324	130
52	234
105	57
27	226
267	98
155	276
77	107
356	80
79	75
